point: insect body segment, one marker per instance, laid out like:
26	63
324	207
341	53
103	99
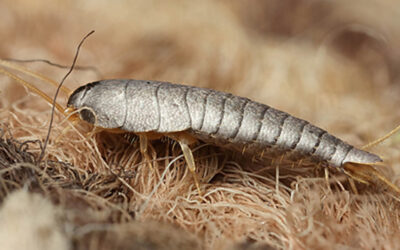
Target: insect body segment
144	106
213	116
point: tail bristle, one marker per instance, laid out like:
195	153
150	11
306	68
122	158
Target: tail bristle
367	174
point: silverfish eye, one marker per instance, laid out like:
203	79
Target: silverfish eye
88	116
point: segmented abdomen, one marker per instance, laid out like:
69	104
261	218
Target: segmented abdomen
215	115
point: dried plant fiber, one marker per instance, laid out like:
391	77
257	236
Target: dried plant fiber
335	64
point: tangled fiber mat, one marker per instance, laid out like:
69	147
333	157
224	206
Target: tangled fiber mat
335	64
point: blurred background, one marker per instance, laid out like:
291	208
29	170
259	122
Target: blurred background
333	63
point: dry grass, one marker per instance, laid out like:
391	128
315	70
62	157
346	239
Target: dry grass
334	64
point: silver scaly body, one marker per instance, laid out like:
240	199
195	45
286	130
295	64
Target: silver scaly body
209	115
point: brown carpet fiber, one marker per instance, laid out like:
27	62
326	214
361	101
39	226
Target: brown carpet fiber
335	64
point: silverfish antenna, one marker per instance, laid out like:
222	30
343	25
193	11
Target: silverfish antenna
58	90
